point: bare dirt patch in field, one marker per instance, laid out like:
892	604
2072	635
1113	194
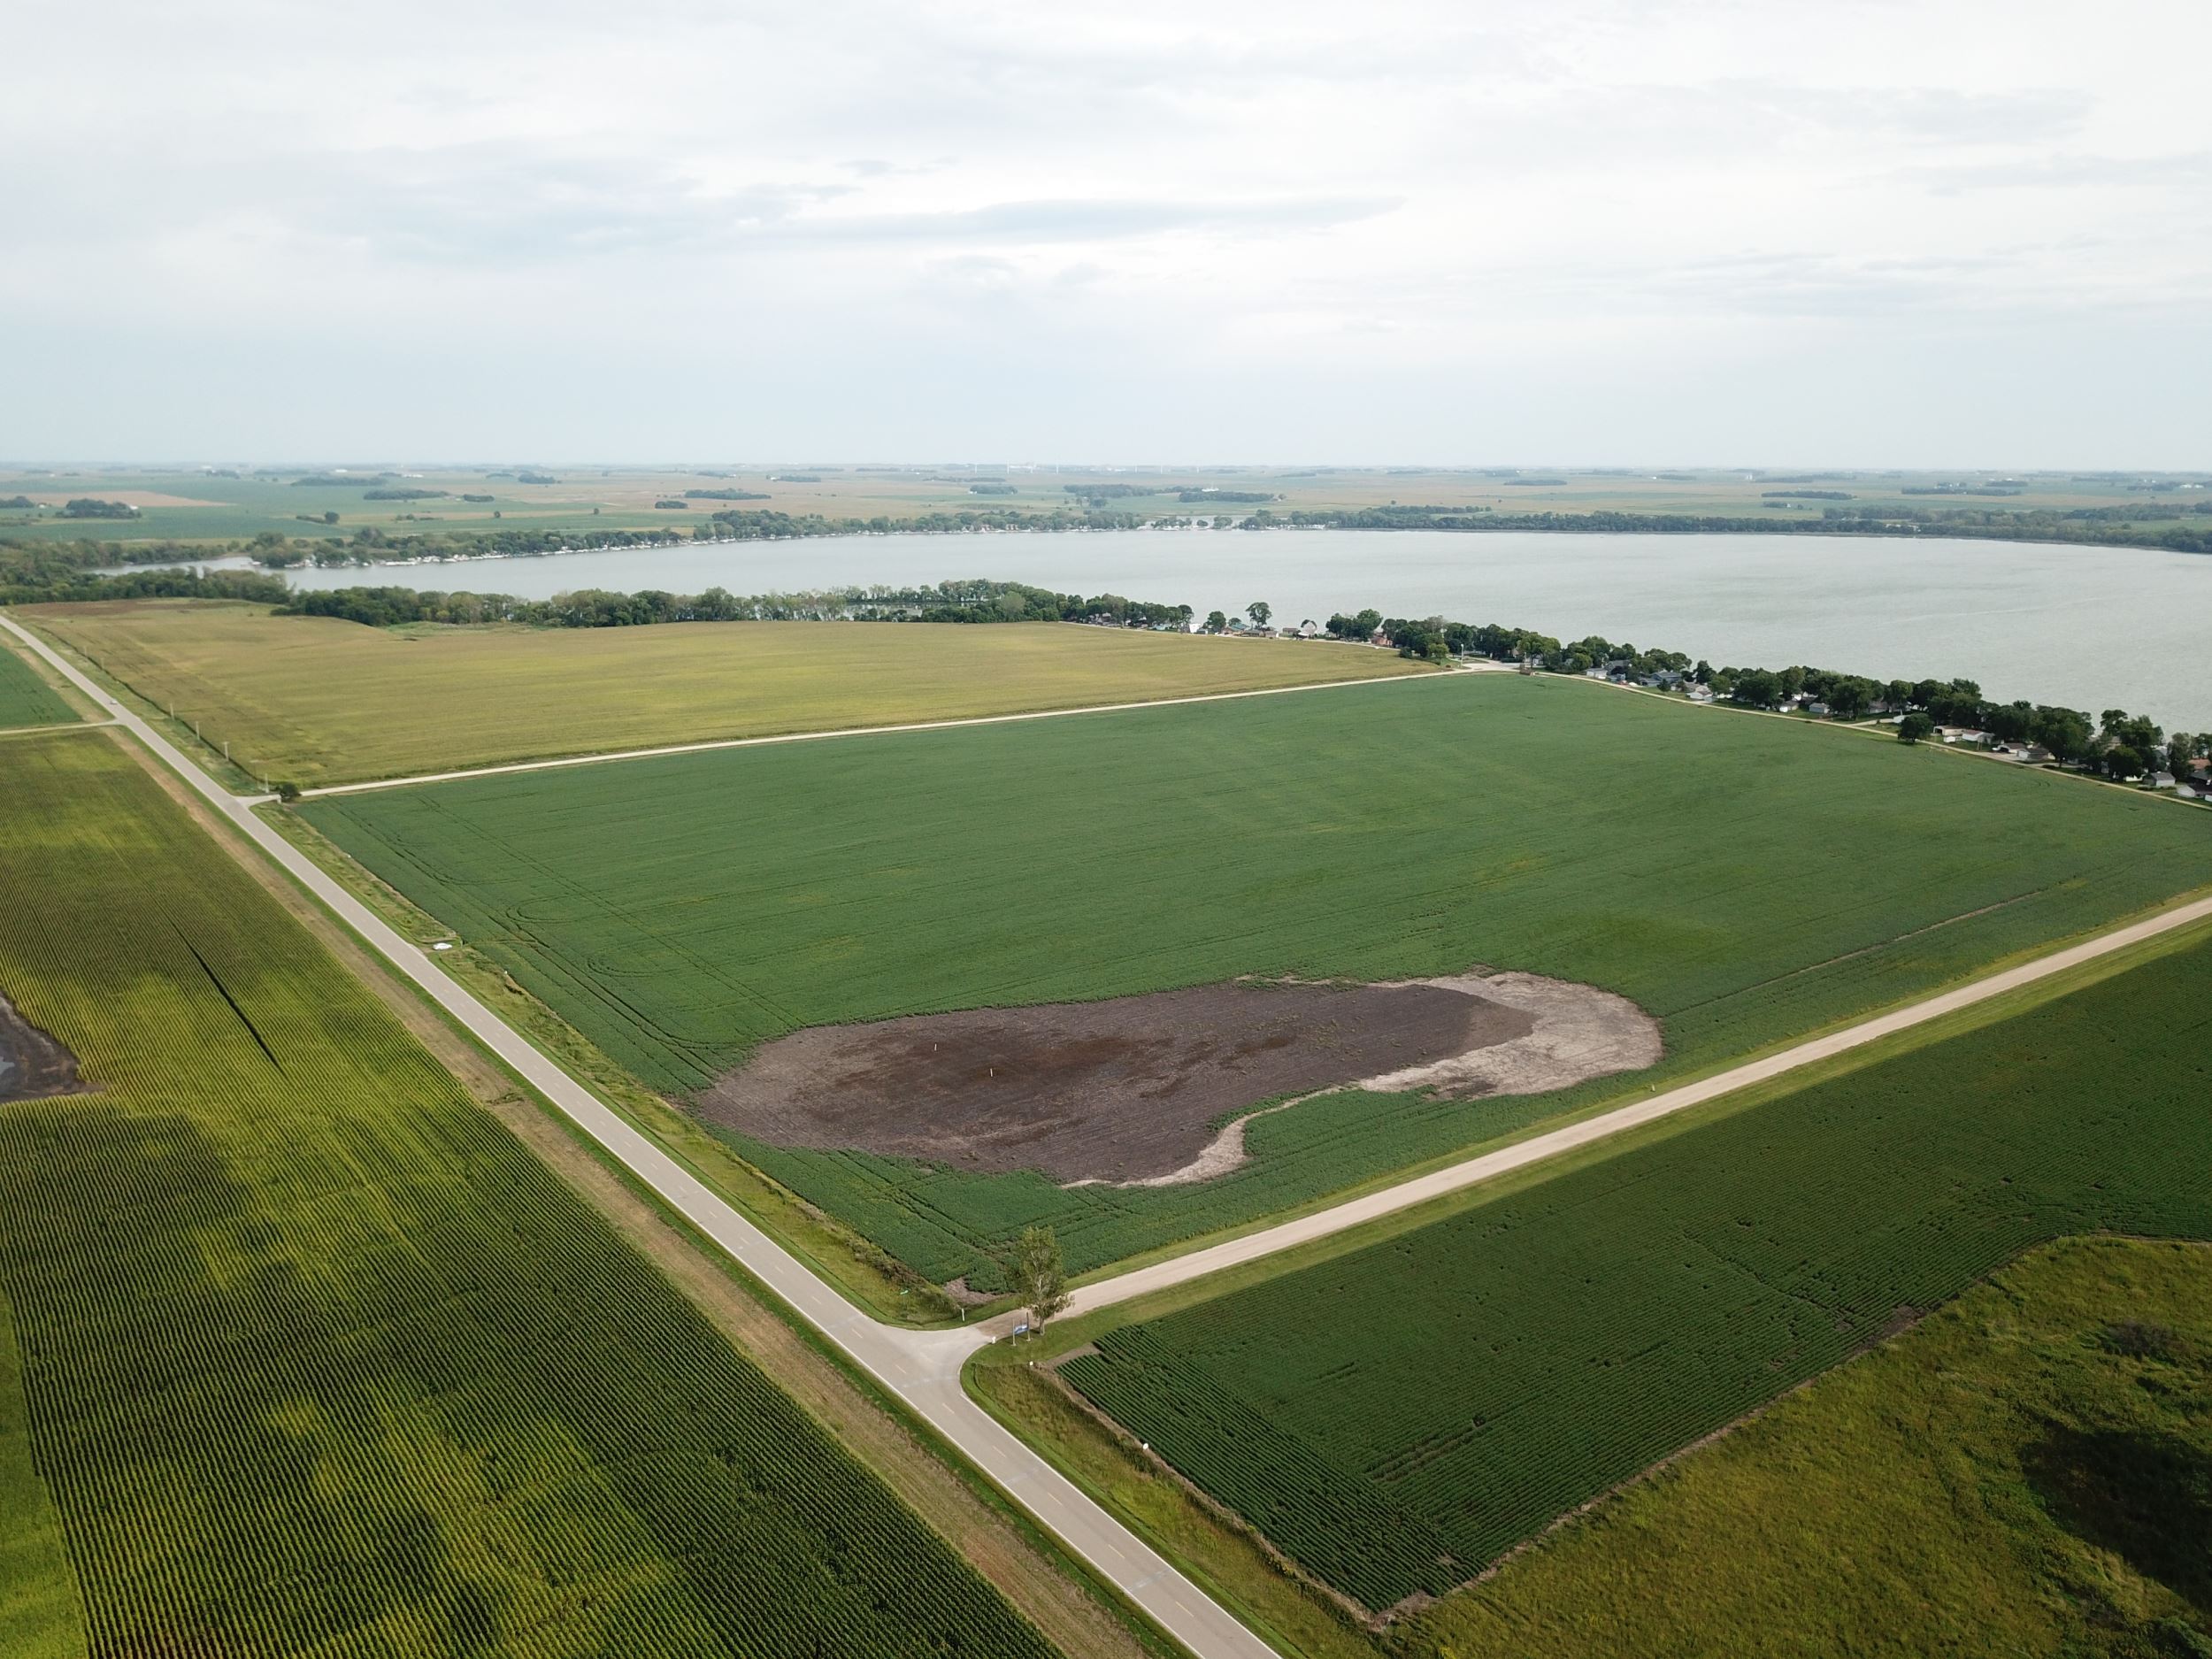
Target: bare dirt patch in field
1131	1090
32	1064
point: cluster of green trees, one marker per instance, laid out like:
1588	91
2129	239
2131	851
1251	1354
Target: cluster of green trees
404	492
2181	529
765	525
973	601
42	572
92	507
372	544
2117	744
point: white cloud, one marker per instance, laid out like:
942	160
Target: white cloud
1231	231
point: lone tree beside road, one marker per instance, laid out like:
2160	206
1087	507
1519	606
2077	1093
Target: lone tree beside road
1914	727
1259	611
1041	1275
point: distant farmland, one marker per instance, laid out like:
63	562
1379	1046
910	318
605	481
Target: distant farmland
309	1356
322	701
1396	1419
1744	879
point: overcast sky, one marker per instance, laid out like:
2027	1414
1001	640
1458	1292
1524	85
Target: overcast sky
1918	234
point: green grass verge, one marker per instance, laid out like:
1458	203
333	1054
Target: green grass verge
1759	880
1398	1416
314	1356
2028	1471
321	700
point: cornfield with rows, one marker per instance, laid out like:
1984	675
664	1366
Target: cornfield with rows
311	1355
1397	1418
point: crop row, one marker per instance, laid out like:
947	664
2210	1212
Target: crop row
1468	1382
317	1357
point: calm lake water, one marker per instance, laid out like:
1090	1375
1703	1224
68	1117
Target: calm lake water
2091	627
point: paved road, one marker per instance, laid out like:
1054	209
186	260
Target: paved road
923	1367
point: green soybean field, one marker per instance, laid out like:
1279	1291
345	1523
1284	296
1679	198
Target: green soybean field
1396	1419
1745	880
25	699
309	1356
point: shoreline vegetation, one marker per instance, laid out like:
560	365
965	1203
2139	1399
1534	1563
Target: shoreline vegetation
2112	744
26	566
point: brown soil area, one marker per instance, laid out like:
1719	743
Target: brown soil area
32	1065
1127	1089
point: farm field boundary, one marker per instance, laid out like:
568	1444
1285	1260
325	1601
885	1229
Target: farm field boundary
319	701
919	1370
853	731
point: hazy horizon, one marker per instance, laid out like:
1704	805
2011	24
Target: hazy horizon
1961	235
692	465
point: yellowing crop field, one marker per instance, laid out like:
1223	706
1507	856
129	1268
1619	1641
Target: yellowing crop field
321	700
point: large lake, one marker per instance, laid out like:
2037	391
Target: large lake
2091	627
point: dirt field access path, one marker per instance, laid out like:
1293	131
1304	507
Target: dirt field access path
922	1368
847	730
